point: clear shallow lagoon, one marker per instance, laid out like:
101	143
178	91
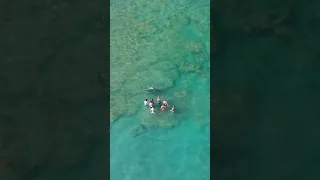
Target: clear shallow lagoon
163	44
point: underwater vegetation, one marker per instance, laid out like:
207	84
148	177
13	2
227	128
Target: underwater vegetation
153	50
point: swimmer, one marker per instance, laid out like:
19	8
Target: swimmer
146	102
165	102
163	108
152	110
151	104
173	108
159	100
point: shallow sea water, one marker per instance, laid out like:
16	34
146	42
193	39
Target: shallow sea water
143	34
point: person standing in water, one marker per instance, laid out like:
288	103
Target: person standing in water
159	100
165	102
151	104
146	102
173	109
163	108
152	110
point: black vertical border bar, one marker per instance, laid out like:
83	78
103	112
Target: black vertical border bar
26	20
228	138
286	117
222	152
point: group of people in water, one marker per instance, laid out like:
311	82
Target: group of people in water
163	107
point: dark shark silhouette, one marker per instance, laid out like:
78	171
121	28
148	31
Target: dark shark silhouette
150	89
104	82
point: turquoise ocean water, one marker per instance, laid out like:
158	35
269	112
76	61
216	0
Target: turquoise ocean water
164	44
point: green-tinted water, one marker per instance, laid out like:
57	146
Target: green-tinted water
164	44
